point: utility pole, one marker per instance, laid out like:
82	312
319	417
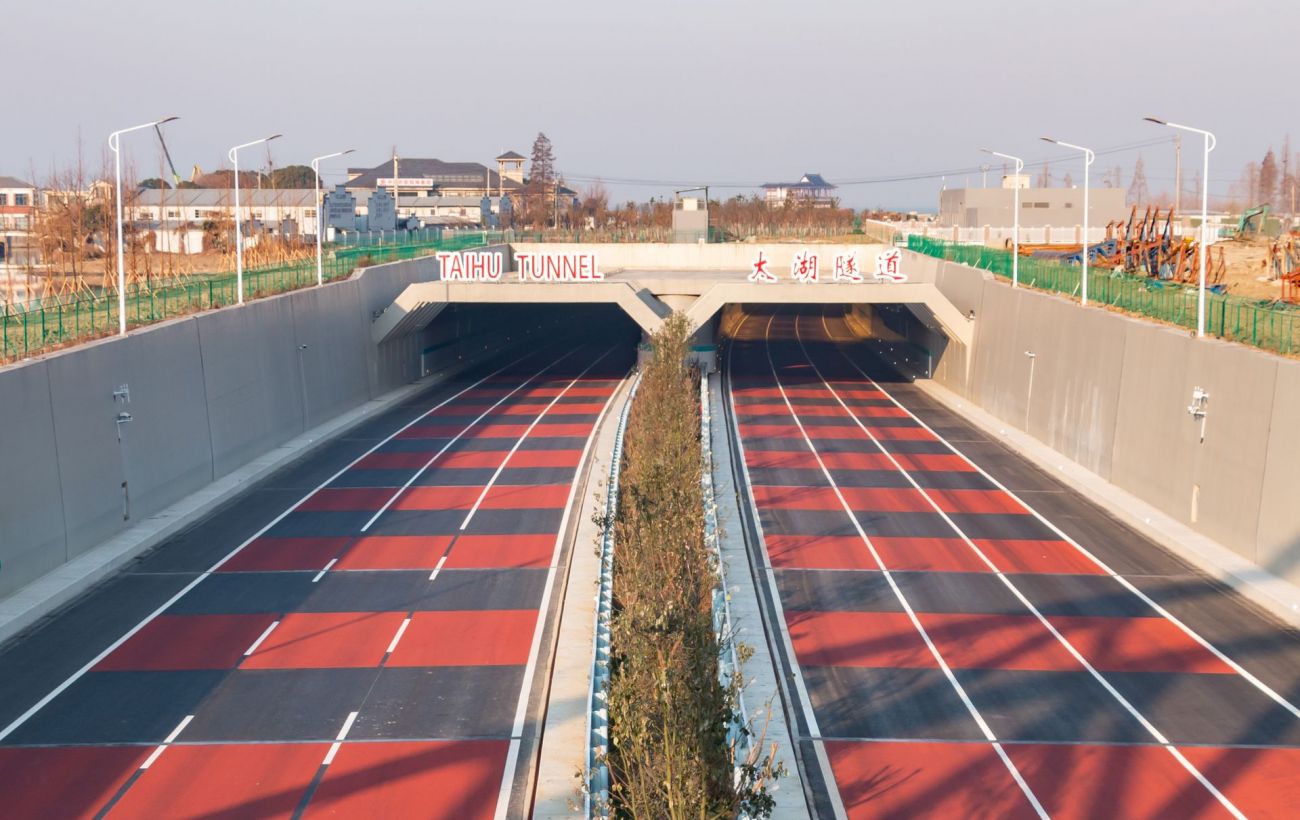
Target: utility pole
1178	173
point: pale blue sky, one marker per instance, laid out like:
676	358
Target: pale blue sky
722	92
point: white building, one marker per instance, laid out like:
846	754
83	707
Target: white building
17	206
268	208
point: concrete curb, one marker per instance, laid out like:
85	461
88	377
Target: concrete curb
761	692
1266	590
564	733
28	605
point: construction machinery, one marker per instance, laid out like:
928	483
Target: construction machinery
1143	246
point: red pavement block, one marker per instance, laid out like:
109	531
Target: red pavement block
781	459
501	551
522	458
396	460
780	409
818	432
1038	556
874	639
526	497
428	431
880	411
796	498
1137	645
1088	781
937	462
395	552
976	501
65	782
753	431
819	552
229	780
551	430
559	408
886	499
451	779
932	554
1018	642
285	555
326	640
334	499
871	459
1262	783
595	391
438	498
917	433
917	779
860	393
467	638
175	642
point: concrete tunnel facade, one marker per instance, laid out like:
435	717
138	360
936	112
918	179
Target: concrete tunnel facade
649	282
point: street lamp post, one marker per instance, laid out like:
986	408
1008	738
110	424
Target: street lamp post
115	145
1210	142
1088	157
315	167
1015	216
239	234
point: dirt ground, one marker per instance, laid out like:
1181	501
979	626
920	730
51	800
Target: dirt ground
1247	272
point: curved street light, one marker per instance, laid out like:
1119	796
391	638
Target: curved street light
115	145
315	167
239	234
1088	157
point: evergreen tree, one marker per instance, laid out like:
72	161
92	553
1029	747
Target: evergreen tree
1267	185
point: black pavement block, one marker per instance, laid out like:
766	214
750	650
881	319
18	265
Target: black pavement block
887	703
367	591
281	705
119	707
440	702
836	590
1002	526
238	593
463	589
1081	595
978	593
1208	709
1049	706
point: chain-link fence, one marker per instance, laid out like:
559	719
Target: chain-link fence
45	324
1266	324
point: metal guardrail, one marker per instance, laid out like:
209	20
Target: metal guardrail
44	324
596	791
729	666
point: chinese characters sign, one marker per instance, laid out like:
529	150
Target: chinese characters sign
806	265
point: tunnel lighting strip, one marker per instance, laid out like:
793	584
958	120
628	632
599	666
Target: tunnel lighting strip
595	798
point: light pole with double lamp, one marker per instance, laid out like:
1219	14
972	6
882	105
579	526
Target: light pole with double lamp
1015	215
239	234
315	167
1088	157
115	145
1210	142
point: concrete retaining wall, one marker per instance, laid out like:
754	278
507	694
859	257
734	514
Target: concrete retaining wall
1111	392
208	393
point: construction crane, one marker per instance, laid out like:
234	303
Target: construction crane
176	178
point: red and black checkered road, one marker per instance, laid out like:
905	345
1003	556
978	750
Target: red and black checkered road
953	651
371	652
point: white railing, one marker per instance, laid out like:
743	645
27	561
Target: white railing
1001	236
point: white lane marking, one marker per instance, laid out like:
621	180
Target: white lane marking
438	568
507	778
521	708
1120	579
180	727
265	634
1008	583
393	499
500	467
401	630
75	676
893	584
324	570
338	739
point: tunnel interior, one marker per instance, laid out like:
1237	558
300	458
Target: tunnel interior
465	328
896	342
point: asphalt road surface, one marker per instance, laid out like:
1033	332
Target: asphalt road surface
366	633
963	636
